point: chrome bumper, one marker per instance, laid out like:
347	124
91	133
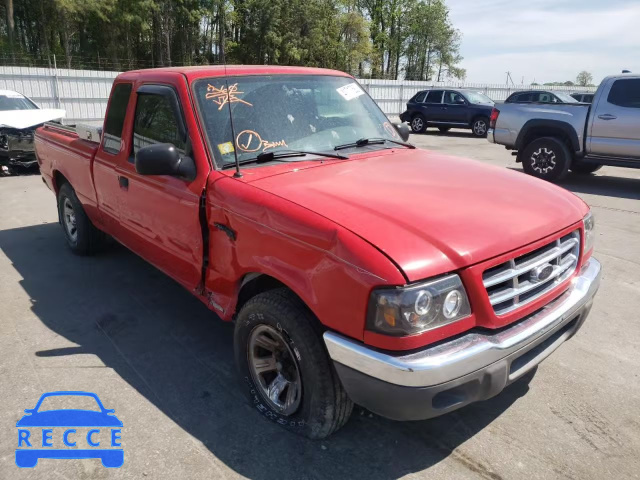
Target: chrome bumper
478	353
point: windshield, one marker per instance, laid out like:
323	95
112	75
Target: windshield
478	98
565	98
16	102
286	112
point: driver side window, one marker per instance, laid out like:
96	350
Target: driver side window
155	122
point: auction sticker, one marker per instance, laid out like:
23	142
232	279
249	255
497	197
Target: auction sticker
350	91
225	148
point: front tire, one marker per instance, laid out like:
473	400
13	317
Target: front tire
480	127
285	369
82	236
418	124
547	158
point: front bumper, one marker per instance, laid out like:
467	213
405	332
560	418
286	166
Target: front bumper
474	366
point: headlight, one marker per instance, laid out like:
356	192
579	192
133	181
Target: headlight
418	308
589	232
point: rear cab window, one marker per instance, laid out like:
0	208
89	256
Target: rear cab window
625	93
112	137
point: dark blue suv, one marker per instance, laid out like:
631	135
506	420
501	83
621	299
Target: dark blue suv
445	109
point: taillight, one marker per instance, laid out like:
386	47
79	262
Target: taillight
494	118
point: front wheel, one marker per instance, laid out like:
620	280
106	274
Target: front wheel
285	369
480	126
547	158
418	124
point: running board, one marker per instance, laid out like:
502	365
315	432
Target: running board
628	162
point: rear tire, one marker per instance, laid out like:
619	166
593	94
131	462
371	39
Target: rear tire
584	168
82	236
444	129
418	124
547	158
284	366
480	127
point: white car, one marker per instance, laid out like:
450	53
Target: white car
19	118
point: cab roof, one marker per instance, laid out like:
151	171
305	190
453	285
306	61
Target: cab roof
202	71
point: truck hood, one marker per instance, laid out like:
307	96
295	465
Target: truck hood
430	213
20	119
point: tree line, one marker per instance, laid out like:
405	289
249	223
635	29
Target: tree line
414	39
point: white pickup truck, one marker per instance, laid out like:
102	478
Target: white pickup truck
551	139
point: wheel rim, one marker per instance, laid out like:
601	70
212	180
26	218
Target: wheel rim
69	220
543	160
417	124
480	127
274	369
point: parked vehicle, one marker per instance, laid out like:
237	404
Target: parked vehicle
552	140
583	97
356	267
446	109
539	96
19	118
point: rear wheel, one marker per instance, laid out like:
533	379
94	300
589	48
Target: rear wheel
82	236
444	129
584	168
418	124
480	126
286	371
547	158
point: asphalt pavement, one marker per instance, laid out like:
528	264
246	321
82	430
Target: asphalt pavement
114	325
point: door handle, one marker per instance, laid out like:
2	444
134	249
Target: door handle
124	182
607	116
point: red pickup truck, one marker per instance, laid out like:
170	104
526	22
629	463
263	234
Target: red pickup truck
356	268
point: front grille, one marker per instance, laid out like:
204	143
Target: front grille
514	283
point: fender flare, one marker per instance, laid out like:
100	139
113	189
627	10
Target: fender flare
563	127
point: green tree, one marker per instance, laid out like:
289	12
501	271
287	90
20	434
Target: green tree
584	78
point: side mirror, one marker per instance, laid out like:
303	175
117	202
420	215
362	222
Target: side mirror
460	101
164	159
403	131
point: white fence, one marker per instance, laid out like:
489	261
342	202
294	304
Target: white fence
84	93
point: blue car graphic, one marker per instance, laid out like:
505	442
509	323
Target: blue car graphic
28	457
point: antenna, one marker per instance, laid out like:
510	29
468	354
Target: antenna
237	174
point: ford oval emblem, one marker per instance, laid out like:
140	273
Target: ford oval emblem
541	273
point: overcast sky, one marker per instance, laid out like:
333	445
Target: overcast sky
547	40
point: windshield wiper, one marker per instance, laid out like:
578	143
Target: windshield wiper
283	155
372	141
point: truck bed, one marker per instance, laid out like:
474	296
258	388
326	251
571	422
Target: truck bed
514	116
61	153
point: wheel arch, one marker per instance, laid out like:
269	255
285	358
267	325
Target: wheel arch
58	180
534	129
253	284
